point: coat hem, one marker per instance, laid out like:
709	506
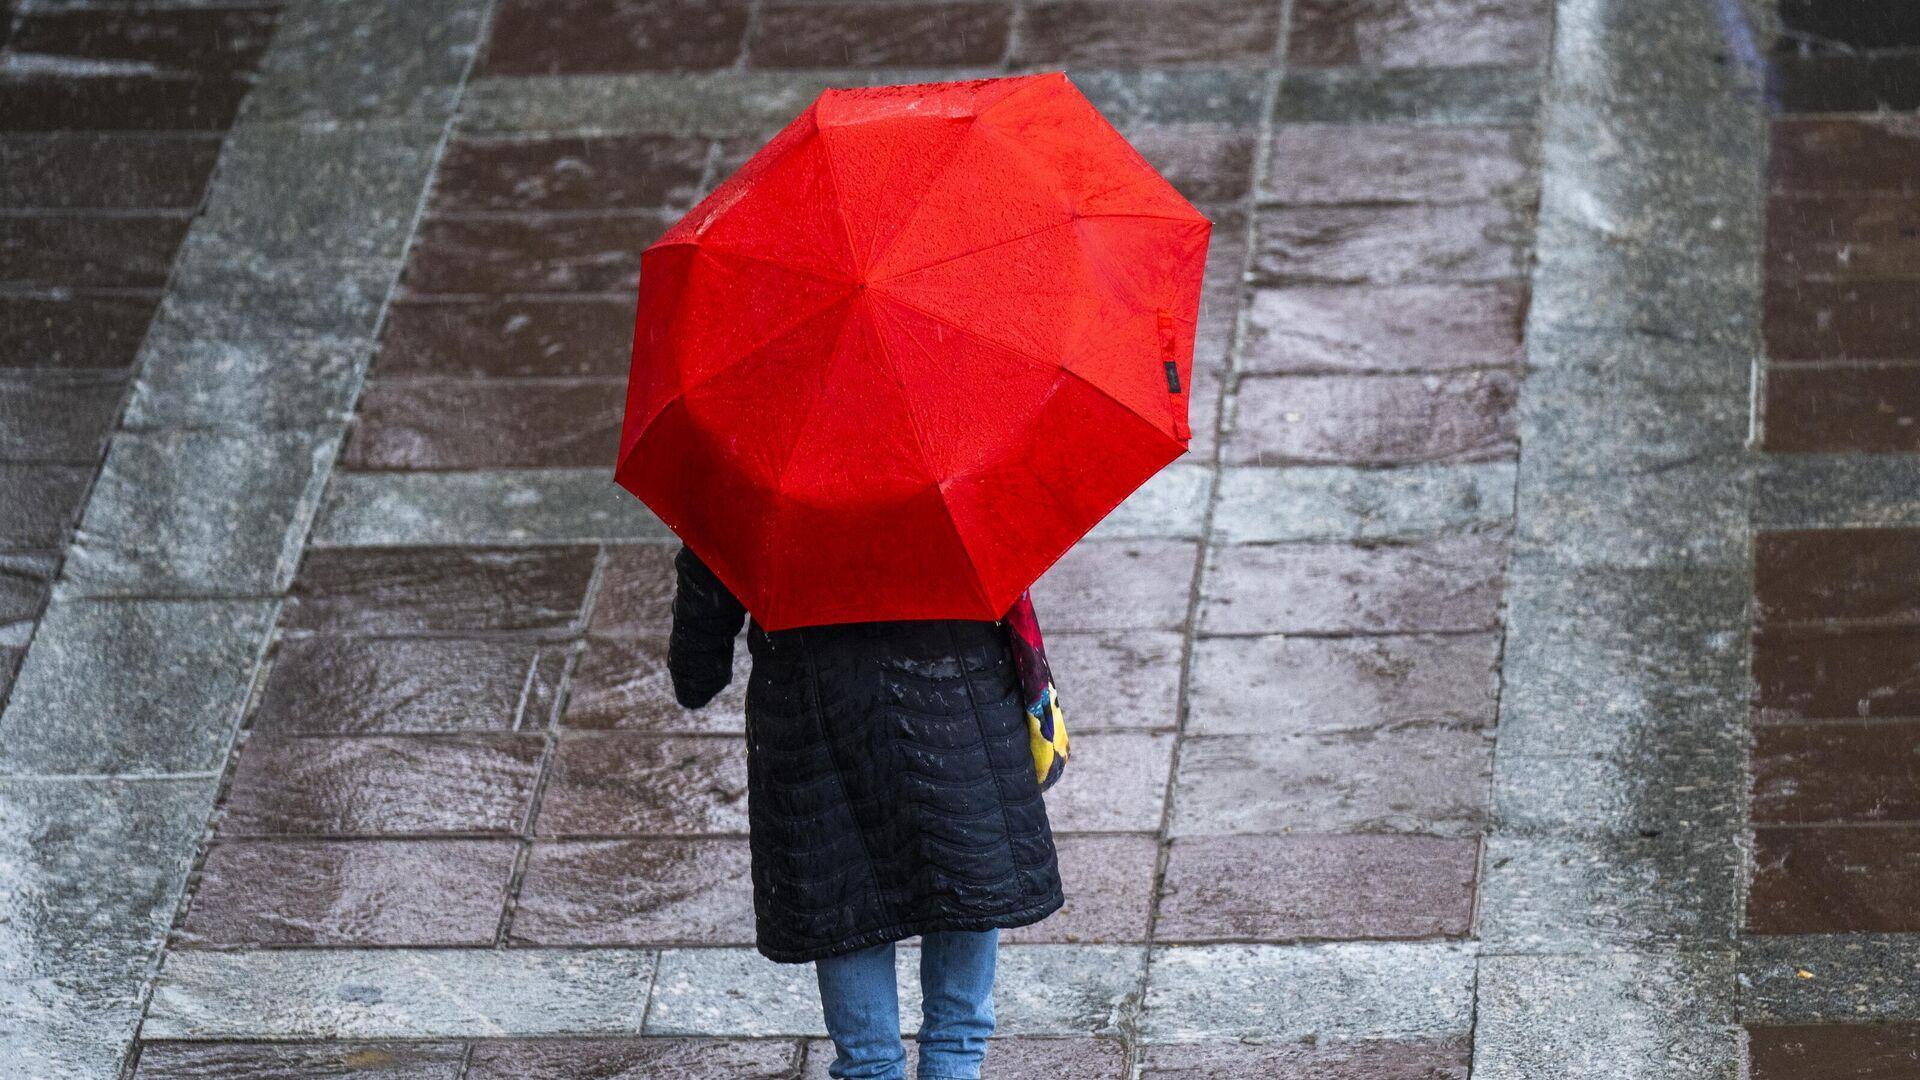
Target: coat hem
901	931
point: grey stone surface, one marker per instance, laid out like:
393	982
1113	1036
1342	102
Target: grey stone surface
1358	990
1449	95
1830	978
1281	685
1632	51
1835	491
532	506
1230	98
1562	894
76	945
346	192
1172	504
133	687
1646	783
1038	990
225	291
1337	503
1611	1016
196	513
367	59
399	993
1629	518
246	385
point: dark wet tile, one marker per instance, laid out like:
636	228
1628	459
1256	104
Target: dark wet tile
1834	1052
1836	771
73	330
632	1059
1835	879
87	251
1345	163
209	40
575	338
568	37
1824	320
604	172
1464	95
636	892
1106	33
1856	575
1109	889
599	253
1282	888
436	590
1418	33
1374	419
408	424
1467	242
1449	584
1863	408
622	682
1206	164
24	579
57	417
1369	1060
351	892
369	785
636	590
1820	676
42	502
1845	154
1127	679
347	686
1844	84
823	34
119	103
631	782
9	667
1020	1058
117	172
1848	25
1842	237
1383	328
301	1061
1117	585
1279	684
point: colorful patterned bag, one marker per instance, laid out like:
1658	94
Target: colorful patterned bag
1046	722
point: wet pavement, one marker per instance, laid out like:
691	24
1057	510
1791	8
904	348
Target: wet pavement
1518	678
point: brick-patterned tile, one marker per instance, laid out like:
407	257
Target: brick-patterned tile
1818	676
1118	585
1108	882
209	41
1104	33
111	172
491	424
1853	575
1842	236
1828	154
42	501
58	417
622	682
336	685
1282	888
1120	679
1360	1060
1276	685
1822	26
588	337
351	892
598	253
1834	879
1844	84
572	37
88	251
73	331
300	1061
431	590
1463	242
633	782
1343	163
636	590
636	892
120	103
1383	328
600	172
1448	584
859	33
1829	320
1119	783
1374	419
1418	33
1864	408
633	1059
373	785
1836	771
1836	1051
1205	164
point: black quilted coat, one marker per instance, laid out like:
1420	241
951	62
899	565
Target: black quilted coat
890	786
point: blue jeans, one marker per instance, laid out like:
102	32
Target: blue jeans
956	1015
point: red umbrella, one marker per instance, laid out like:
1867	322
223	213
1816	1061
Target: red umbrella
914	349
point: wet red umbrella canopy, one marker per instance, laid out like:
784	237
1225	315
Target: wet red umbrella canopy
913	350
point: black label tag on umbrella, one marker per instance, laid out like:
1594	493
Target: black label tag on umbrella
1173	377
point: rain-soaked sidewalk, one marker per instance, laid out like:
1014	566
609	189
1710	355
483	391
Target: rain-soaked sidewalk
1517	679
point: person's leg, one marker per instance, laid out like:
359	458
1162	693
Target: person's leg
862	1006
956	986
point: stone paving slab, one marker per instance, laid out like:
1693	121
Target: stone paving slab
1318	992
1835	491
1266	505
1830	978
245	386
1584	895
